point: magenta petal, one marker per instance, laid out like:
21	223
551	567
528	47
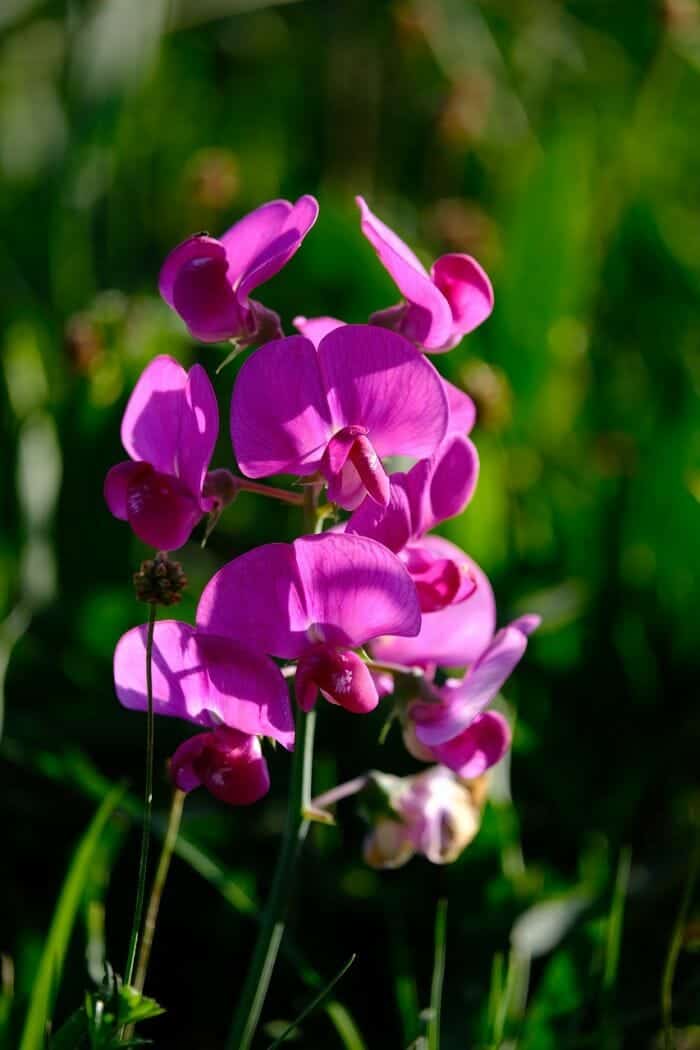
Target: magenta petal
440	488
259	600
390	525
205	300
467	289
199	429
279	415
454	636
462	702
160	509
201	246
229	764
340	675
431	319
276	252
355	589
478	747
205	680
116	487
375	379
462	409
151	424
315	328
439	582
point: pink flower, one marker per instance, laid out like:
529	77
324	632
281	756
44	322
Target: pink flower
207	281
456	729
455	635
169	430
461	407
227	763
314	601
204	678
435	815
364	394
432	491
439	307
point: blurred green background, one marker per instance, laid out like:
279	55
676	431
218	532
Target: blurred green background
558	143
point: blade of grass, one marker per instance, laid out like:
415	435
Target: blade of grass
674	947
345	1026
53	956
616	920
313	1004
433	1032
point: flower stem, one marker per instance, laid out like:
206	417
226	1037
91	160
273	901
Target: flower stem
159	880
147	804
252	998
246	485
336	794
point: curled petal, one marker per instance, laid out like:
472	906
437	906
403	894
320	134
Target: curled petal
205	680
451	637
116	487
439	582
477	748
467	289
196	280
437	723
429	320
160	509
352	468
390	525
272	250
441	487
228	763
340	675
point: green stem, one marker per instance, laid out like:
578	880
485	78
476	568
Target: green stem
433	1032
147	804
675	945
159	880
252	998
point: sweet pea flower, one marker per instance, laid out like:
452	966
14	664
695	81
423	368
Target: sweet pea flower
455	635
364	394
462	410
204	678
432	491
169	430
314	601
435	815
454	727
208	281
229	764
439	307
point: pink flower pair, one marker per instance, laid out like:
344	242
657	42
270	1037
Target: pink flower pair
314	601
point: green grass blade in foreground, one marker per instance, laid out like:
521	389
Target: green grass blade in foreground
345	1026
313	1004
616	920
438	976
53	956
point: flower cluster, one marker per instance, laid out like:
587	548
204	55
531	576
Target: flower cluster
376	605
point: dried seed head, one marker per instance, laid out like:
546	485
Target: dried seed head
160	581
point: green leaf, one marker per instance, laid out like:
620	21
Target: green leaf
56	946
312	1005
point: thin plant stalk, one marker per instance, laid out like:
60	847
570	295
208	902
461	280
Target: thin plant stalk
433	1032
674	947
257	982
159	880
147	805
254	992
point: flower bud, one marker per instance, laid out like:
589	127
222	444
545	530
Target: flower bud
159	580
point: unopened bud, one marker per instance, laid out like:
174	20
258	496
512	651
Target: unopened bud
160	581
